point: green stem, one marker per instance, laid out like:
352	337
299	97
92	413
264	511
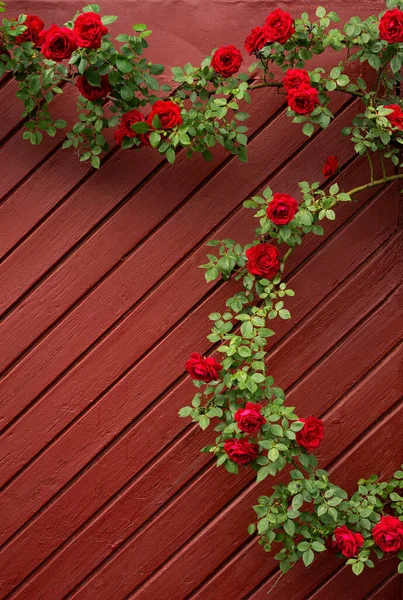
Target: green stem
374	183
371	166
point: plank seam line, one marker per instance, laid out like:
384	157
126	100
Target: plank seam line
276	570
108	330
167	504
19	125
220	513
130	367
160	166
137	188
98	512
129	426
382	583
105	333
120	492
368	374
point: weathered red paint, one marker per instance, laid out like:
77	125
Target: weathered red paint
105	494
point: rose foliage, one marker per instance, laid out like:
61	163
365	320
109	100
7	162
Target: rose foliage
119	90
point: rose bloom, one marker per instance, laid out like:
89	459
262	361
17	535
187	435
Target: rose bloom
125	130
250	419
226	60
345	541
311	435
93	92
257	38
280	26
168	113
294	78
391	26
395	118
263	260
388	534
331	166
58	43
88	29
202	369
282	209
303	100
241	451
34	25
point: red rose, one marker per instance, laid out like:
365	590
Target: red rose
282	209
241	451
58	43
203	369
391	26
125	130
34	26
345	541
388	534
263	260
257	38
226	60
294	78
331	166
280	26
311	435
250	419
395	118
93	92
168	113
303	100
88	29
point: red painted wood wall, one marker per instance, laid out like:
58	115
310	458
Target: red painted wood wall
104	492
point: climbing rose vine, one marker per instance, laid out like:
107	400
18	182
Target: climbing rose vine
118	90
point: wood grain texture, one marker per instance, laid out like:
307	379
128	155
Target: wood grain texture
104	493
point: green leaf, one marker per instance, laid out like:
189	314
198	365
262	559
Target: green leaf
170	154
289	527
140	27
124	65
185	411
358	568
262	473
140	127
308	129
308	557
60	124
108	19
155	139
204	422
297	502
95	162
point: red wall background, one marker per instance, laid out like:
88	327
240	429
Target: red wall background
104	493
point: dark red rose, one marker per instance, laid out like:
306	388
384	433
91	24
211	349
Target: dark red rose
226	60
203	369
93	92
88	29
263	260
345	541
280	26
34	25
294	78
168	113
311	435
124	129
331	166
58	43
303	100
241	451
257	38
391	26
395	118
250	419
282	209
388	534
